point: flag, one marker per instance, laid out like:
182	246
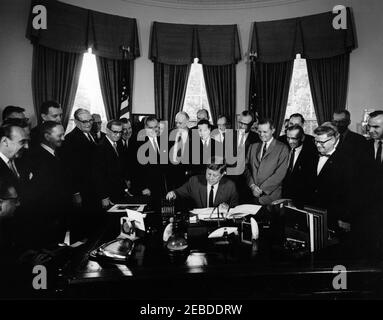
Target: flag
125	86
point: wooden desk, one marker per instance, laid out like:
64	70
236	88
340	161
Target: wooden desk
237	271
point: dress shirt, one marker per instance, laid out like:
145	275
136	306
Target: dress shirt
323	159
208	188
296	155
267	147
240	137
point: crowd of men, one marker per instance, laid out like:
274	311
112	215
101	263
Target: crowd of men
51	182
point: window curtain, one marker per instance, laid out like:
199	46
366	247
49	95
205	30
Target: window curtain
174	47
328	83
55	76
170	82
272	85
111	73
220	84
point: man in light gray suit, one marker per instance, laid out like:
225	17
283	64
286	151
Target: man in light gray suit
266	165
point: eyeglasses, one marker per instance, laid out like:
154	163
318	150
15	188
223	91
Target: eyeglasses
322	142
116	132
85	121
245	124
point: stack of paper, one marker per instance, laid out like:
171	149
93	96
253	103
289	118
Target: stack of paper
236	212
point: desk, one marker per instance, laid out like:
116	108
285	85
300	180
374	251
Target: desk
237	271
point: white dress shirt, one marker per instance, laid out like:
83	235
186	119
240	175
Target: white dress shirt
296	154
154	143
49	149
208	188
267	147
184	137
323	159
240	137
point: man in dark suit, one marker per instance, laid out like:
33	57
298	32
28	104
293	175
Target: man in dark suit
128	145
49	111
297	184
266	165
13	142
180	155
108	172
333	179
78	152
243	138
49	193
208	148
351	143
152	160
96	132
208	190
294	119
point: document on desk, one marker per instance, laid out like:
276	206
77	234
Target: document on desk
236	212
125	206
137	217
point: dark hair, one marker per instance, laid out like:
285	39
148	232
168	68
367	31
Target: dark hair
376	113
217	163
11	109
150	119
296	127
344	112
267	121
113	123
47	127
297	115
228	122
326	128
124	120
44	109
22	123
204	110
204	121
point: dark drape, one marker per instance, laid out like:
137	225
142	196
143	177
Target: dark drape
220	82
74	29
271	84
55	76
111	72
328	82
312	36
179	44
170	82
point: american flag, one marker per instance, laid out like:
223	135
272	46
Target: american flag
125	84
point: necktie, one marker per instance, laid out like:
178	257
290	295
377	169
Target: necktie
179	146
12	166
90	138
115	147
378	158
291	163
264	150
242	141
211	197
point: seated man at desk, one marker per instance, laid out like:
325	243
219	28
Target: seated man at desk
209	190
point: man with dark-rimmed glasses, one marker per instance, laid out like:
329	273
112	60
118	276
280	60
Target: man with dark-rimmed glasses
333	179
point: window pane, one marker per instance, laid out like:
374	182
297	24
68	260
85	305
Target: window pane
300	100
88	95
195	98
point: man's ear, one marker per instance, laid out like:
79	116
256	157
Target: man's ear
44	117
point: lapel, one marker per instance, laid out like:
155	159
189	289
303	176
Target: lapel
270	148
203	192
328	164
111	148
219	193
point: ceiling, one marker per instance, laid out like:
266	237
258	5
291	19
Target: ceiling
212	4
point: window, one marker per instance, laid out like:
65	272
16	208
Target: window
300	100
88	95
195	97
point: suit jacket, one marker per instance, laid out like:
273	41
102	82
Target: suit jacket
129	158
108	173
78	152
298	183
96	139
333	188
47	199
269	172
7	174
196	190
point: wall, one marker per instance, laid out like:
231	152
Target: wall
366	73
